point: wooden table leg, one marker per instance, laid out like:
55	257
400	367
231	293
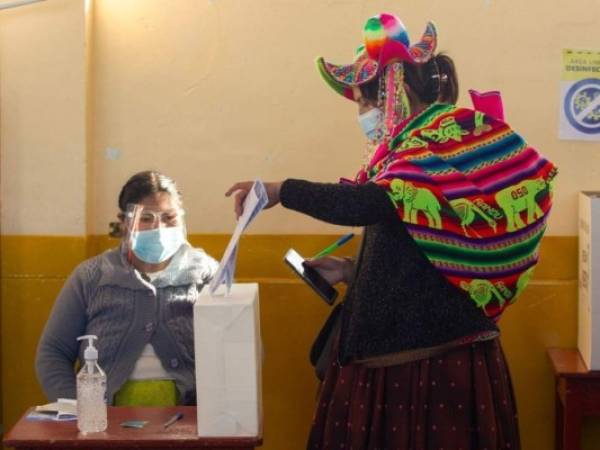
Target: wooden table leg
572	418
559	423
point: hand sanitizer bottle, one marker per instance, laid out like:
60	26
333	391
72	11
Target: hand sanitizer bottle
91	391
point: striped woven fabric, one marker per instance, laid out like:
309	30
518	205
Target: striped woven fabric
473	195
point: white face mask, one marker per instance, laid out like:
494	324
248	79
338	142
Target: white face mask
370	122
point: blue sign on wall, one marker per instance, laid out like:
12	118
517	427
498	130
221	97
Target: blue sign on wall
582	106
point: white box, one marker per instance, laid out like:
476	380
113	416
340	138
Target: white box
228	362
588	329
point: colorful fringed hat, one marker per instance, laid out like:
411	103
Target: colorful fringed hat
386	41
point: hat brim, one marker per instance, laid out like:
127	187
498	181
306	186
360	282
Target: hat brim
343	77
333	74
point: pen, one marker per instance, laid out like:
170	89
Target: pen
173	419
337	244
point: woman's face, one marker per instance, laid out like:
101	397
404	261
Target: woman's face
364	105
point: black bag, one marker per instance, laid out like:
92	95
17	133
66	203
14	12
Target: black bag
321	351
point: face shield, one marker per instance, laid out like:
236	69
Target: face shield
151	235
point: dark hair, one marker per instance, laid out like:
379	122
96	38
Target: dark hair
436	80
146	183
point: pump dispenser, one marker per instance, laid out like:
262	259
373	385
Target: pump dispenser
91	391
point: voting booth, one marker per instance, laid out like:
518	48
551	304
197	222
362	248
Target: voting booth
588	324
227	344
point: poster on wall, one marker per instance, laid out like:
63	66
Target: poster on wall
580	95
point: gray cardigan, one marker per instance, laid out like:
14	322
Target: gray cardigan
105	296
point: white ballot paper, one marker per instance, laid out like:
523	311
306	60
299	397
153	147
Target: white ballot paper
255	201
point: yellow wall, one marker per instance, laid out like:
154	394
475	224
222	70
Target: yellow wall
212	91
42	108
546	316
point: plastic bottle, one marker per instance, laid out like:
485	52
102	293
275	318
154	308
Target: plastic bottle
91	391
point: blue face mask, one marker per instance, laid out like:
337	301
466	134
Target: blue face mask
370	121
157	245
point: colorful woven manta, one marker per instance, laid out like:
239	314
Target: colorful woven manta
473	195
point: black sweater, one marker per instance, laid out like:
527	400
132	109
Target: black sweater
398	300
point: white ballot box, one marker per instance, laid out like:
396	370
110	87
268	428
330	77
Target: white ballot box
588	329
228	362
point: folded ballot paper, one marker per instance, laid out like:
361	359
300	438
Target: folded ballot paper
227	344
255	201
63	409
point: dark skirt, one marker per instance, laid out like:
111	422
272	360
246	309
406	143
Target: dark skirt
462	400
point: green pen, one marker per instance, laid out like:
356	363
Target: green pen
337	244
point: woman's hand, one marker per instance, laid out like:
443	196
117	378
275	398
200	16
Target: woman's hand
333	268
242	188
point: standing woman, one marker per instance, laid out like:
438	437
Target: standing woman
454	204
138	299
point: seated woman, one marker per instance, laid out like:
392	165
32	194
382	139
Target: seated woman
138	299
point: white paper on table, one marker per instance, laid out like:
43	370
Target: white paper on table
255	201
